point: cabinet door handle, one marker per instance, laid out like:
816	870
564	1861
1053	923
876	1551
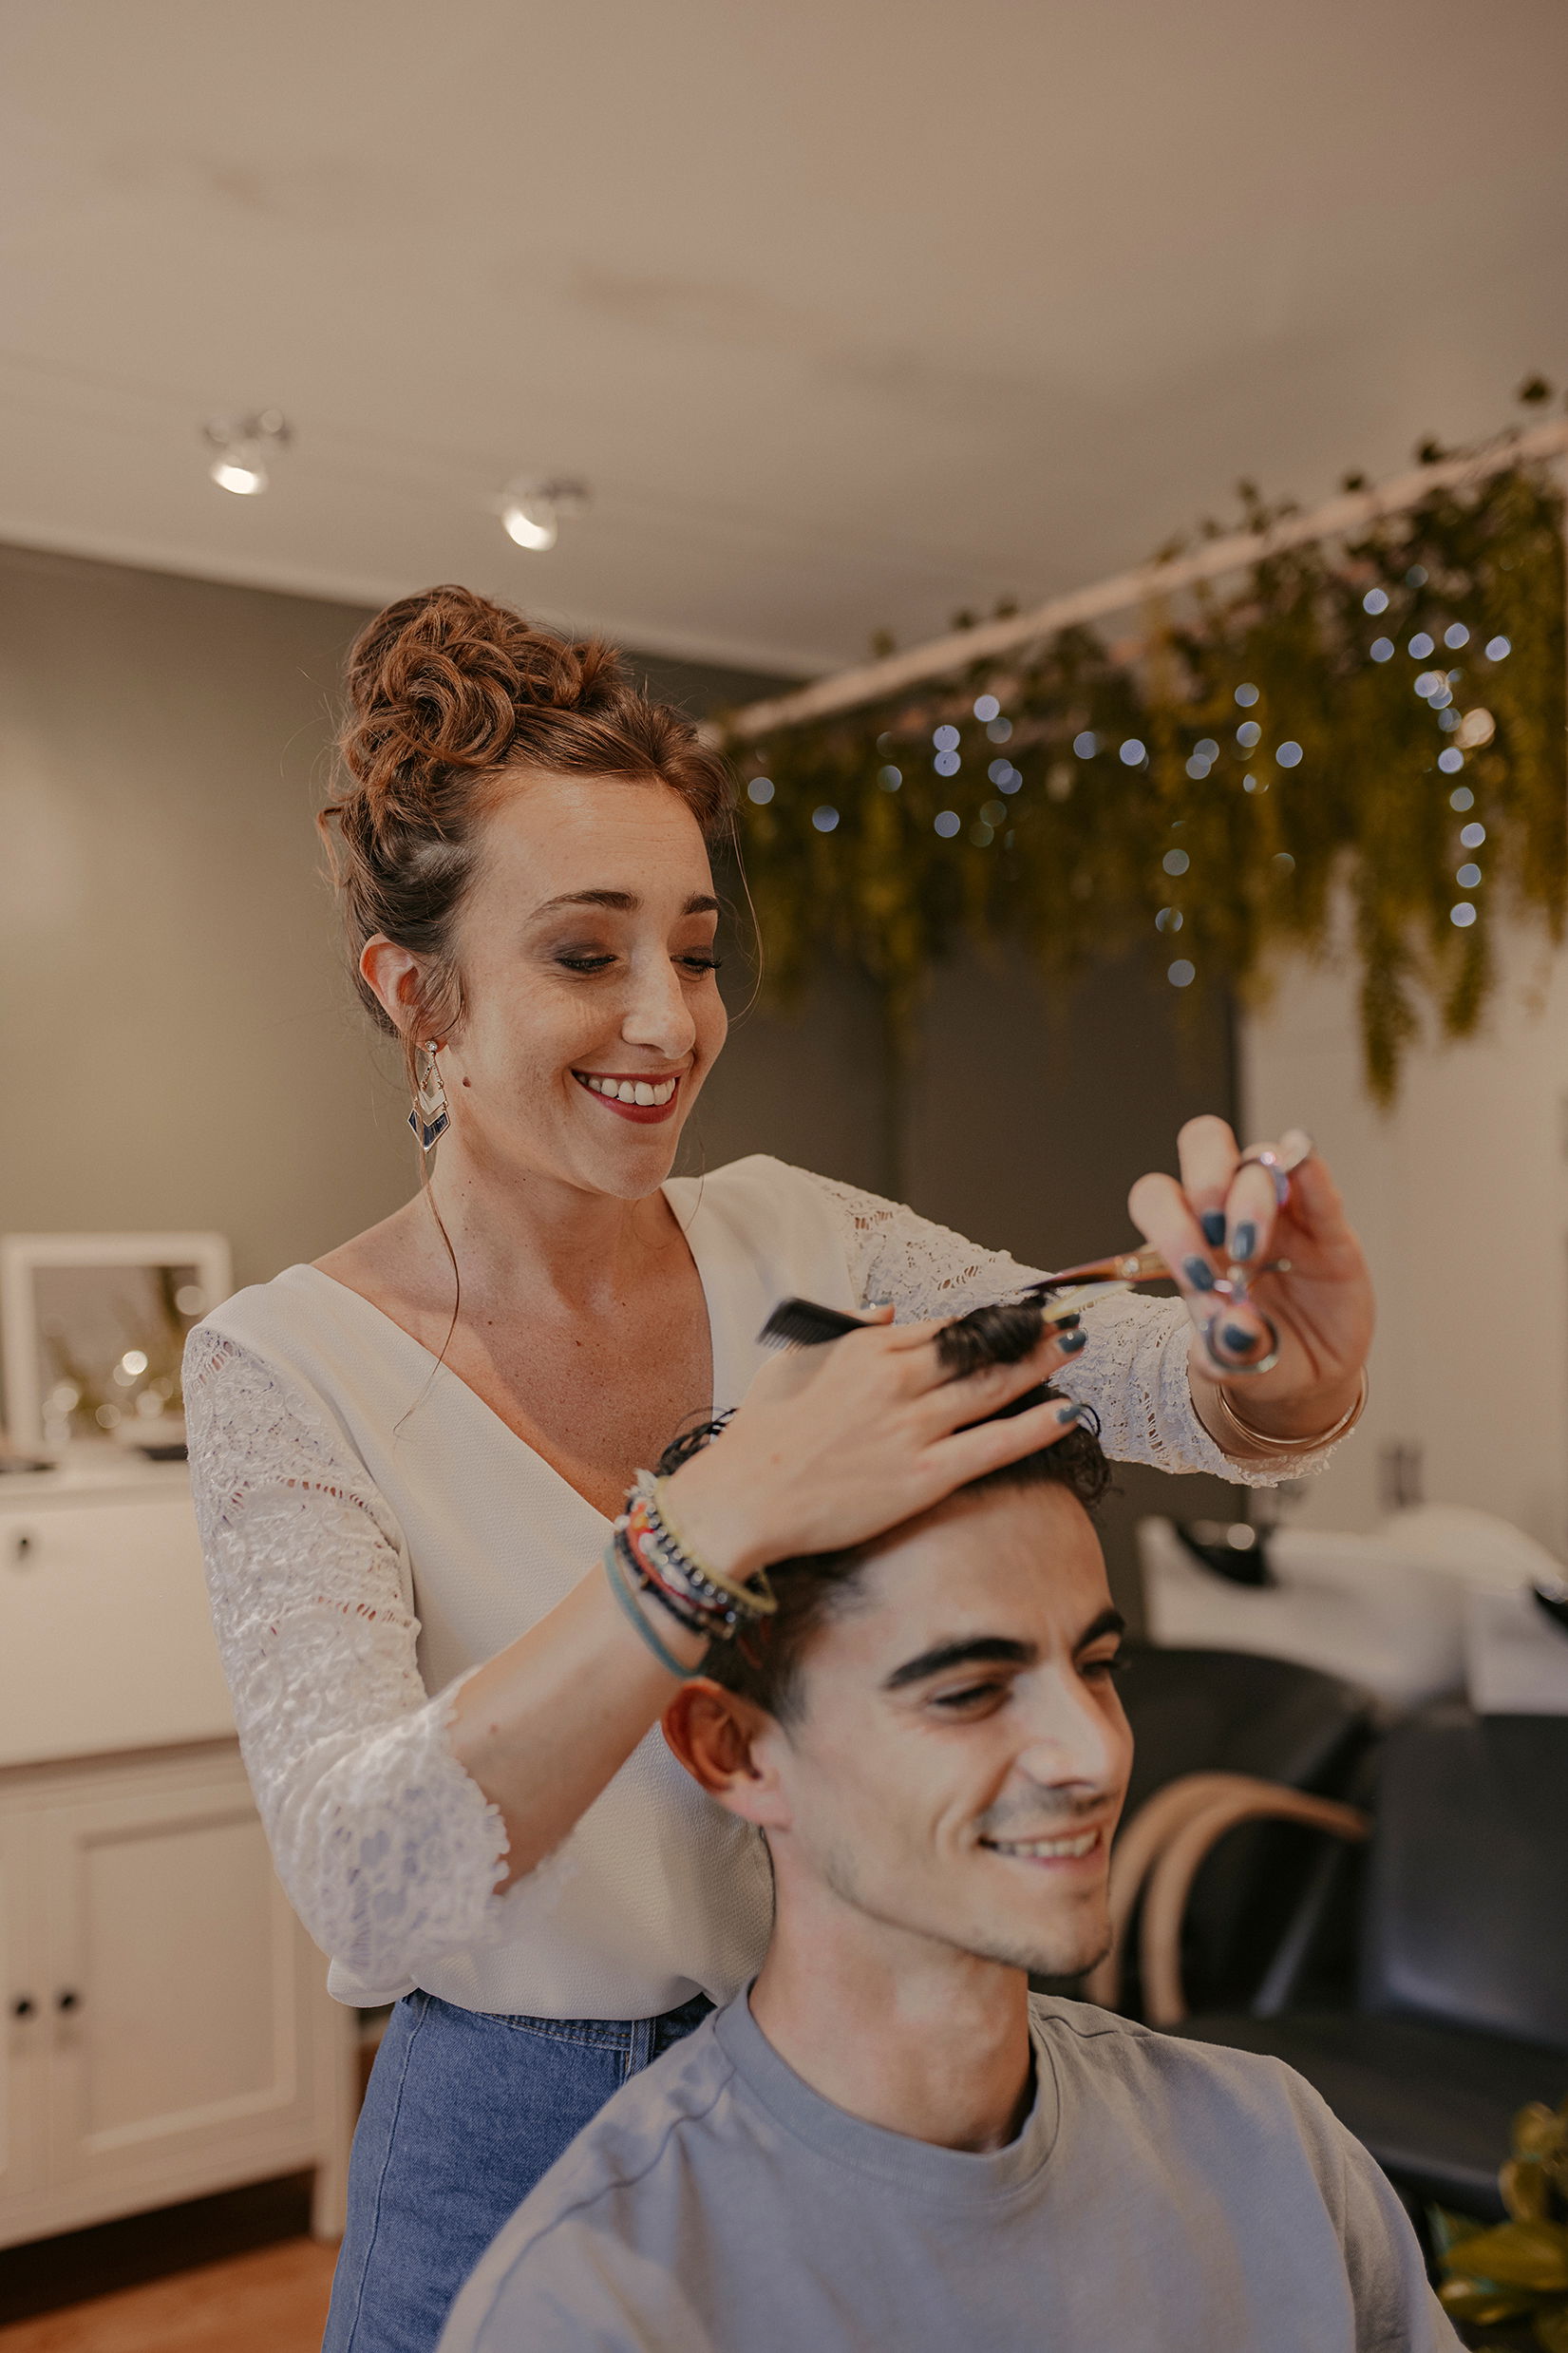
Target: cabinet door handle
67	1999
22	2006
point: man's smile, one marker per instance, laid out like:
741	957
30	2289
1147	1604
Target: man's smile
1071	1847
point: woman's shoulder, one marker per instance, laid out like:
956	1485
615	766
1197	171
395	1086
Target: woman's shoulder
764	1183
266	1314
302	1331
762	1198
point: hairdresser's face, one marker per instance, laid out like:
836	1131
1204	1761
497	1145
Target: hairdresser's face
585	944
962	1755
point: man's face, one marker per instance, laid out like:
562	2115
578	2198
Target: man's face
960	1755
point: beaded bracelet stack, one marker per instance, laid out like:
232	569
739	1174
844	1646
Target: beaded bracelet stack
645	1555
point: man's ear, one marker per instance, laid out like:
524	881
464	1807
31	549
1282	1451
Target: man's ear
727	1745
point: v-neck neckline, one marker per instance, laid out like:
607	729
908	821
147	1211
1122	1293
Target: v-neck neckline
438	1368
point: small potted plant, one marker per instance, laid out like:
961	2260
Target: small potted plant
1510	2283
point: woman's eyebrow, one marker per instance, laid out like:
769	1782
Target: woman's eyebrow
985	1650
623	902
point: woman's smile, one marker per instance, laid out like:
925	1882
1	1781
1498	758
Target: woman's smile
641	1095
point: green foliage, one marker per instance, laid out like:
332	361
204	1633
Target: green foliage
1073	859
1519	2270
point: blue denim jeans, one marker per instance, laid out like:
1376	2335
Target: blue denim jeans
465	2113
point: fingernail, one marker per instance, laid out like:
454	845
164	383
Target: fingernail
873	1304
1213	1223
1199	1273
1244	1240
1073	1342
1066	1324
1238	1341
1066	1413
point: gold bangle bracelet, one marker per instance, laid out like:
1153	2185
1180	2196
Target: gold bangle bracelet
1266	1445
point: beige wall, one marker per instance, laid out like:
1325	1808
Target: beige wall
1460	1196
177	1045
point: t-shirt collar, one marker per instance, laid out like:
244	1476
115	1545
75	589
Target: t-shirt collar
970	2176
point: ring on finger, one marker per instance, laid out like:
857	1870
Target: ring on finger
1276	1169
1227	1365
1280	1165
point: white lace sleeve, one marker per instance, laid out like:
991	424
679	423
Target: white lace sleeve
1133	1372
388	1852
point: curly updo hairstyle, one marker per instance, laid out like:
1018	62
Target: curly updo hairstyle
450	698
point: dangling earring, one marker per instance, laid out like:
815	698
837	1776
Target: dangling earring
430	1118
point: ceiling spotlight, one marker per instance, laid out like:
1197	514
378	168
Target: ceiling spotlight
531	511
241	447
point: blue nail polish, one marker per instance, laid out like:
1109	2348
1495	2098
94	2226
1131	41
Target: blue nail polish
1073	1342
1213	1223
1064	1324
1244	1240
1066	1413
1199	1273
1238	1341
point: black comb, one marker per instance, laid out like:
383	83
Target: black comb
803	1324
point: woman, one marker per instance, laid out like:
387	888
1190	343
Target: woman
407	1455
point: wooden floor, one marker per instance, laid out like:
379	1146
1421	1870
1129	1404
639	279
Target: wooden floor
270	2301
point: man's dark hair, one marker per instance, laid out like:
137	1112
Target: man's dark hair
763	1663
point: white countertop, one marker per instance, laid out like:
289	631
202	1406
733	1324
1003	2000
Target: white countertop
93	1471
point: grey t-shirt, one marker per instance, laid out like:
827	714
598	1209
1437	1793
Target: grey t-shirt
1163	2194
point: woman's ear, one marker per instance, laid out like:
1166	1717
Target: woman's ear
727	1745
394	974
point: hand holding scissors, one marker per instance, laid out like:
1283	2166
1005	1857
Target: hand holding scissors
1255	1234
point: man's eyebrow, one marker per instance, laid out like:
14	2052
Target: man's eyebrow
985	1650
994	1650
1108	1622
624	903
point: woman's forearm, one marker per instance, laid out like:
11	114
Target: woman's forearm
545	1726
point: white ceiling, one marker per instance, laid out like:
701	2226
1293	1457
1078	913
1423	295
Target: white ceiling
850	314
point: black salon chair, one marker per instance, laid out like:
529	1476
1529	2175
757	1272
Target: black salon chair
1272	1720
1461	2009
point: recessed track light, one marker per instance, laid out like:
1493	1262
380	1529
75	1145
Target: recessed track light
241	447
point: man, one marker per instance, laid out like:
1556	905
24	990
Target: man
891	2144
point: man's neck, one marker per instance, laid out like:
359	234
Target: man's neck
903	2033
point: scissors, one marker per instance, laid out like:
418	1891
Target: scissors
1095	1278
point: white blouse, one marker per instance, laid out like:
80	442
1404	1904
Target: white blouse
372	1531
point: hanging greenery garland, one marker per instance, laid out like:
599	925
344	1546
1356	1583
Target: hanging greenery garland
1380	721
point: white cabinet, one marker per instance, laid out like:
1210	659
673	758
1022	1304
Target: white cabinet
165	2029
105	1638
23	2108
168	2030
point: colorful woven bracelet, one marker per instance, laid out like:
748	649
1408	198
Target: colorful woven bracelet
628	1600
752	1596
666	1560
688	1609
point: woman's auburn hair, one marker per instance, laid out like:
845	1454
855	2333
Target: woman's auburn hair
450	697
